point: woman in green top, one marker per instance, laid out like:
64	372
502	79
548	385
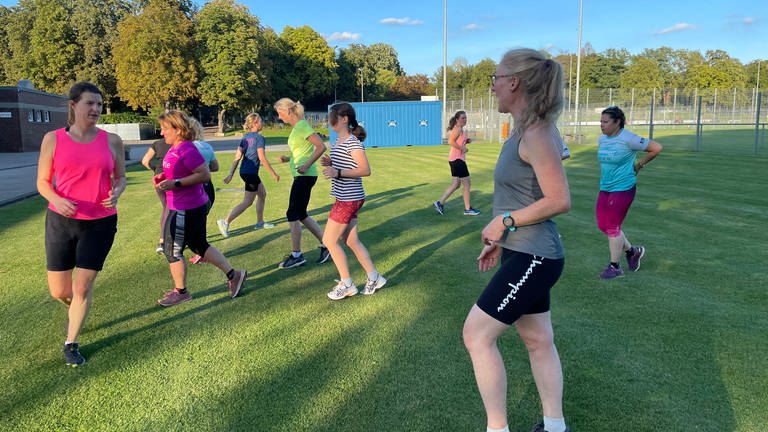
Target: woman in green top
306	147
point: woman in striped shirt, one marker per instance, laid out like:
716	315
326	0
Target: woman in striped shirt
345	167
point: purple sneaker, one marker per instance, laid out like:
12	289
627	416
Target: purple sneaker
174	297
633	259
611	272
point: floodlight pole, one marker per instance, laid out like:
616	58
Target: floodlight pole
578	75
445	65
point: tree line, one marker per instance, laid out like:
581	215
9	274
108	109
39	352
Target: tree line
149	55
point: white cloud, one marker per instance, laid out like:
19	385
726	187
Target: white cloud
676	28
401	21
473	26
748	20
343	36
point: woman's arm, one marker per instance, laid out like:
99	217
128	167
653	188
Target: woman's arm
539	150
45	174
363	168
651	151
147	159
453	137
201	174
264	162
238	156
319	150
118	177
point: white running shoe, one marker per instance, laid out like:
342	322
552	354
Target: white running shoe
372	285
341	291
264	225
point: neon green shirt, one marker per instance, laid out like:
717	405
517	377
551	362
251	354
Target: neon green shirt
301	148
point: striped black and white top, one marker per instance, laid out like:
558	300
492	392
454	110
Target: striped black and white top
346	189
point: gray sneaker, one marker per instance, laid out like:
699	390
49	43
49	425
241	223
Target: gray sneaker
72	356
340	291
372	285
174	297
236	283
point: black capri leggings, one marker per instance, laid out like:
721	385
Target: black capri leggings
301	190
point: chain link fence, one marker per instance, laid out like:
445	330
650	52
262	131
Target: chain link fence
701	120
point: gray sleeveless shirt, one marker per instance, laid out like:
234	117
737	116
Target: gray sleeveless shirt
515	186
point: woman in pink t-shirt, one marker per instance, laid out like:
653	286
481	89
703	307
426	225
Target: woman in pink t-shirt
458	141
184	172
81	172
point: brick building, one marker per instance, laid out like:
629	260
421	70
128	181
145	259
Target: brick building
26	114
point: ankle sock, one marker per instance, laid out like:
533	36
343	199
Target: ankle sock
504	429
630	252
615	265
230	274
181	290
554	424
296	254
347	282
374	275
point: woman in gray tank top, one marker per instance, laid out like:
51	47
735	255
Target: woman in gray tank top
530	188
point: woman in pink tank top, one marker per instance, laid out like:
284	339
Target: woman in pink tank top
81	172
458	141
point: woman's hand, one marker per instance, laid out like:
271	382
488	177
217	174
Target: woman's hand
228	179
325	160
302	169
493	231
489	257
65	207
111	200
165	185
329	172
276	176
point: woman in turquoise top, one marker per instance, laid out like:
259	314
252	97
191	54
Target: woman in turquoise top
306	147
618	172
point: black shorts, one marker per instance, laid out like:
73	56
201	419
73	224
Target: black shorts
252	181
185	228
520	287
301	190
458	168
71	243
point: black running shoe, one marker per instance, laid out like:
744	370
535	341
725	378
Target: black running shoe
72	356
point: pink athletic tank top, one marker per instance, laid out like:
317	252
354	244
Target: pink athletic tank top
82	173
456	153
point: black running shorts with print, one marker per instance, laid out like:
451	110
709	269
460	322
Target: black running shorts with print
81	243
520	287
459	168
252	182
301	190
185	228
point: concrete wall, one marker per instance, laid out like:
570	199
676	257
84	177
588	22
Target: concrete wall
131	131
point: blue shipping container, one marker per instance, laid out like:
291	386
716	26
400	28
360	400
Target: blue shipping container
398	124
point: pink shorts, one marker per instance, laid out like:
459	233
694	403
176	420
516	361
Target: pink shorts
611	209
344	211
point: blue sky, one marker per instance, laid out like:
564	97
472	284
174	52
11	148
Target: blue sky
486	28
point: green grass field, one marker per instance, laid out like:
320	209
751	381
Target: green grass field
678	346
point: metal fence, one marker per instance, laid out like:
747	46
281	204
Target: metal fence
701	114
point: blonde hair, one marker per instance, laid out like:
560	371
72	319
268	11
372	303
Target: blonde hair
541	80
180	121
252	119
198	129
292	107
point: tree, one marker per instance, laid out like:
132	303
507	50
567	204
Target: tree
5	51
603	70
314	65
642	73
54	53
410	87
95	24
154	57
228	40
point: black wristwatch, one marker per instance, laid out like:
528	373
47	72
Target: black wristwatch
177	183
509	222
